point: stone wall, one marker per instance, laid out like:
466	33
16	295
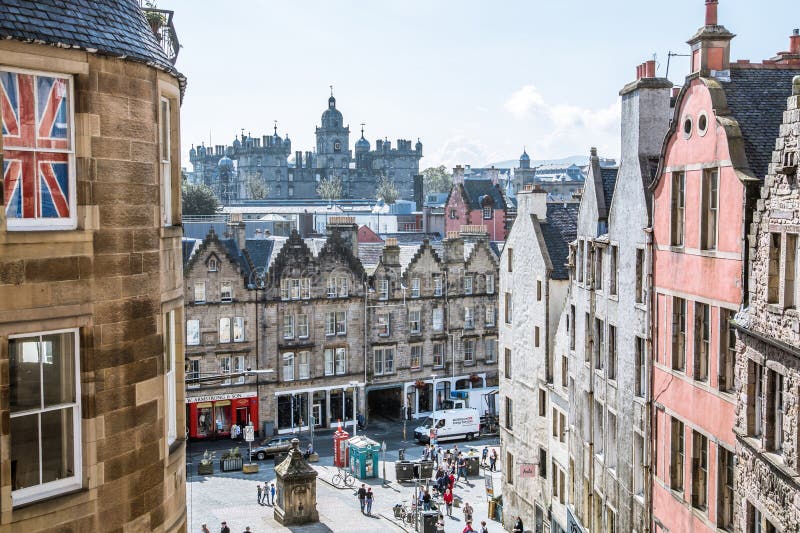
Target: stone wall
113	278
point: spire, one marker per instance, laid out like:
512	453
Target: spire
275	127
362	130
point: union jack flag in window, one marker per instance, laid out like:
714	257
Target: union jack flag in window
37	149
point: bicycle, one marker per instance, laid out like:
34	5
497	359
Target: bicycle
405	513
343	479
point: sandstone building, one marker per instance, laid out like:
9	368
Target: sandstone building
91	296
345	326
768	352
253	168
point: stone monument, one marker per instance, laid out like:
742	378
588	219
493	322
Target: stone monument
296	484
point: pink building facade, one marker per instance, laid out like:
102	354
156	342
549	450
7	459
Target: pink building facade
478	202
713	160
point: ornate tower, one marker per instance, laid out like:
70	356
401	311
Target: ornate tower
333	140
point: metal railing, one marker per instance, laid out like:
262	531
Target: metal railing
160	21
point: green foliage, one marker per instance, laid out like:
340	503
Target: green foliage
330	188
198	200
436	179
208	457
387	191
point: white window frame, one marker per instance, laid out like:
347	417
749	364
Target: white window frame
438	358
239	364
330	323
469	318
237	325
226	291
471	351
224	330
305	288
340	361
490	315
193	332
384	361
415	288
303	365
170	393
287	366
47	224
199	292
343	287
414	321
53	488
341	322
331	286
329	361
384	324
490	353
415	356
468	281
490	284
302	326
437	319
285	294
288	326
225	367
438	283
487	213
194	372
165	159
294	285
384	289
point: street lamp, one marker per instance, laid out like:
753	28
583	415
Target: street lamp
433	414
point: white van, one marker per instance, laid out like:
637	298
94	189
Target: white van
450	424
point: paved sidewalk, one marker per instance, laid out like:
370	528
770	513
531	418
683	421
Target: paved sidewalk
232	497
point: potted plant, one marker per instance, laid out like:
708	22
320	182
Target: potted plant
206	466
231	460
155	18
474	378
419	384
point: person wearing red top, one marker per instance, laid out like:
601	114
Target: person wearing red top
452	480
448	501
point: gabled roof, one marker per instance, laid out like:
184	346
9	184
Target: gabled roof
110	27
560	229
609	179
475	189
757	99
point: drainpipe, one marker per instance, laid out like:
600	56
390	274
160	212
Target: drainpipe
366	357
650	301
748	207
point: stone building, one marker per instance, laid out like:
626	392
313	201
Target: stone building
533	288
607	322
768	351
716	152
252	168
91	296
432	311
221	332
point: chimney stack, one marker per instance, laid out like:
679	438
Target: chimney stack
532	200
391	253
458	175
347	229
711	12
794	42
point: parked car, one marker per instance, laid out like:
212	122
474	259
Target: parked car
271	447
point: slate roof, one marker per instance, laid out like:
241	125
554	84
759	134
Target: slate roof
411	237
559	229
609	177
110	27
475	189
757	98
188	247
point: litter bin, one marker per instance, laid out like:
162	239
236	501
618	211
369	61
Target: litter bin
404	471
364	457
492	508
427	523
473	466
426	469
401	454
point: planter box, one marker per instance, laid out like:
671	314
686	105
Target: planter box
313	458
205	470
229	465
250	468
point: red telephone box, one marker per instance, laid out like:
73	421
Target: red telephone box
340	447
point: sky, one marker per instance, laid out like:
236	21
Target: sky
475	81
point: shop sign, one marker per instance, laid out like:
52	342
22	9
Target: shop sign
218	397
527	469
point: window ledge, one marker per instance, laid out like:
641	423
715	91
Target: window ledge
45	494
171	231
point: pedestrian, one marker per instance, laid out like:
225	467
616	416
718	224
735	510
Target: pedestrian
468	512
272	492
448	501
309	451
493	461
484	529
440	524
362	494
247	529
484	455
468	527
518	527
426	501
204	529
369	501
259	494
224	528
452	479
462	468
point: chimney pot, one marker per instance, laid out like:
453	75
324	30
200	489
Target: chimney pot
711	12
794	42
650	69
593	151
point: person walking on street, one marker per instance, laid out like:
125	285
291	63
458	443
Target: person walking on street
518	527
440	524
426	501
448	501
484	529
204	529
468	527
272	492
468	512
369	501
362	494
259	494
224	528
247	530
462	468
484	455
493	461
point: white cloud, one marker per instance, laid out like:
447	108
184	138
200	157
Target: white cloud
459	150
564	129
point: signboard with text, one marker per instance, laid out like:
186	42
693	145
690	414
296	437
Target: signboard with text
218	397
249	433
528	469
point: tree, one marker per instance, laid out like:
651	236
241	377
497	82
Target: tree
257	189
436	179
199	200
330	188
387	191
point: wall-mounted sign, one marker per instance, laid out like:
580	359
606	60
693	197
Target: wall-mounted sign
218	397
528	469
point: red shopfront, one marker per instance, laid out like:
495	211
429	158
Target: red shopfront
212	416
